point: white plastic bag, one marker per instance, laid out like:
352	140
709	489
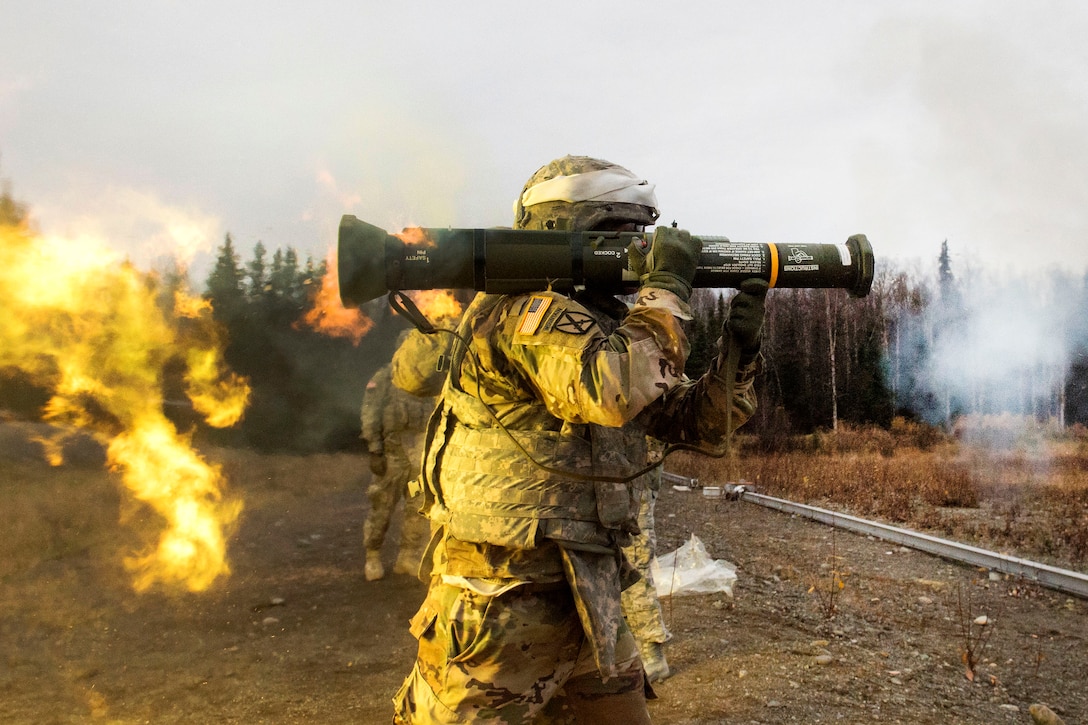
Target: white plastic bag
690	570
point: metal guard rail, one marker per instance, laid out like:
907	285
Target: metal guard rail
1063	580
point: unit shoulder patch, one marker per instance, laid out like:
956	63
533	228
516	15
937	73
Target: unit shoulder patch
574	322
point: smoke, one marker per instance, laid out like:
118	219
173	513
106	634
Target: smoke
400	165
988	147
140	226
993	344
985	149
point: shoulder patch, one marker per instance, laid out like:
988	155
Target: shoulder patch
574	322
534	314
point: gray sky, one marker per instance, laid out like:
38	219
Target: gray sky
164	125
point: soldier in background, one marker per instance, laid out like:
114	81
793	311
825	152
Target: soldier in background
392	426
530	461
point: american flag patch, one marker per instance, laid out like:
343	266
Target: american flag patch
534	313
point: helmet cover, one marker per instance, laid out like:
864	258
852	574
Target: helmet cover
580	193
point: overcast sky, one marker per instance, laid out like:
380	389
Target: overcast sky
164	125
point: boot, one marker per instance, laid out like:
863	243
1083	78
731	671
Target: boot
406	563
653	661
374	569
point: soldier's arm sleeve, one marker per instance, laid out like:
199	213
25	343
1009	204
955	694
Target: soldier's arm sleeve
370	415
419	364
585	376
698	412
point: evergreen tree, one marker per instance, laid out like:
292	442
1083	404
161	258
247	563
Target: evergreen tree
18	392
284	303
224	286
293	281
947	324
306	387
868	399
12	212
284	272
257	273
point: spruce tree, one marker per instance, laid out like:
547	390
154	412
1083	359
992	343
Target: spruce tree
224	285
257	273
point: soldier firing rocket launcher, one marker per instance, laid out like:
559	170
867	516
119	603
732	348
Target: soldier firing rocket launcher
373	262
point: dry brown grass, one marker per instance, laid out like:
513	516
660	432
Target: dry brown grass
81	646
1019	490
1023	491
47	516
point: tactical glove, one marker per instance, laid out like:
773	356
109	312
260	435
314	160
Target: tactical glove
744	326
671	263
377	464
636	257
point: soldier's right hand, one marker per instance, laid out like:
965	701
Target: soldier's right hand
671	263
378	465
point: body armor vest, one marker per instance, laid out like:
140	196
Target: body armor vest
485	489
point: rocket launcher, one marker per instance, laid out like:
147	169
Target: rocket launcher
372	262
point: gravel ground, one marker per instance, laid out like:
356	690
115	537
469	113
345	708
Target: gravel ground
823	626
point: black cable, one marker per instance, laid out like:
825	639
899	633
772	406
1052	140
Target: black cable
406	307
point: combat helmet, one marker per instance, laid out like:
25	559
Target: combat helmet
580	193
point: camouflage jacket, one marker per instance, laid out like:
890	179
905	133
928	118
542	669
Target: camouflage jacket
576	392
390	411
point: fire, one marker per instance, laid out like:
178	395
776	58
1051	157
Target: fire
92	330
52	449
328	314
163	471
190	307
437	305
416	236
219	397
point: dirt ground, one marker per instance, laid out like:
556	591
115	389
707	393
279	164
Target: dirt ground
295	634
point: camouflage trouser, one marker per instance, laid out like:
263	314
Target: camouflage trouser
517	658
641	608
384	493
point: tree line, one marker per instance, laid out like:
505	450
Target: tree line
921	346
930	344
307	386
930	347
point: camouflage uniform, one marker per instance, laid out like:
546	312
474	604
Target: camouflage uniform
392	424
641	607
543	541
522	622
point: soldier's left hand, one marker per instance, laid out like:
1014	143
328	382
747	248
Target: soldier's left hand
744	326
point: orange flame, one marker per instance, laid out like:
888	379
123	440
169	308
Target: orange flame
437	304
51	448
328	314
91	329
416	236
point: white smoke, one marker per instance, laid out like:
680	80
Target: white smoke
999	345
139	225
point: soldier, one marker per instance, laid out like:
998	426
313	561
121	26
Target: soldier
641	607
530	461
392	426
